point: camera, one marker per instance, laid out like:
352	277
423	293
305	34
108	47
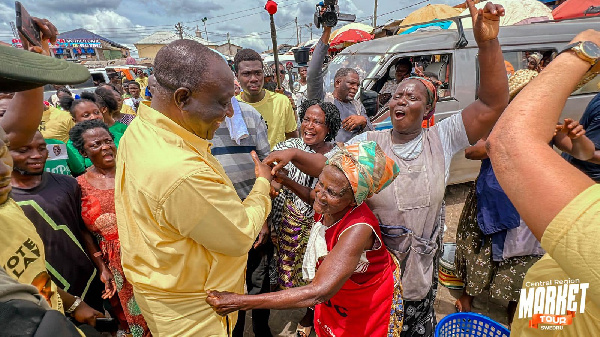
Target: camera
328	14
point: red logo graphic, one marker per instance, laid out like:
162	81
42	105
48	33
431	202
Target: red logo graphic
551	319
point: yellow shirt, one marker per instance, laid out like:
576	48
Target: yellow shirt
56	124
128	110
143	82
572	254
182	227
278	114
22	252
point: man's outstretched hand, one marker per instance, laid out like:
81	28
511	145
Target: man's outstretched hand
260	169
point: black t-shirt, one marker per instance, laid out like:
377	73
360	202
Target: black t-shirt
591	123
54	208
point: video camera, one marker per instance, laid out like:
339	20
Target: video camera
331	14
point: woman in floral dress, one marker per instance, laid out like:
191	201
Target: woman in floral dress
94	141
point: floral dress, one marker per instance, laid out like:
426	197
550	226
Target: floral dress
98	212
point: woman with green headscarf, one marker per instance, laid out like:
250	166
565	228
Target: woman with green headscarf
355	282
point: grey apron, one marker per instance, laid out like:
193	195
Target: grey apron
409	211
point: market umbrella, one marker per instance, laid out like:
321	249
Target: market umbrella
516	12
348	38
429	13
351	26
574	8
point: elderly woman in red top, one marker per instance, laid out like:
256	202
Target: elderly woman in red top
355	282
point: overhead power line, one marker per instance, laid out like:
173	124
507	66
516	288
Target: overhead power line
259	10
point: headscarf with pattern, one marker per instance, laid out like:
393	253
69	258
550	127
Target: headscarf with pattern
519	80
367	168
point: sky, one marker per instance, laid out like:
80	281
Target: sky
127	22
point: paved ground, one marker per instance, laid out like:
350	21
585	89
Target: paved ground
283	322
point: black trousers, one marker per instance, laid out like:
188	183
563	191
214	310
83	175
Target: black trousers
257	282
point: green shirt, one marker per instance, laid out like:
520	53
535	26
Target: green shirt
77	163
57	161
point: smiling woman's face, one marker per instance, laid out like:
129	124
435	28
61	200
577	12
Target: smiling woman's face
314	128
333	194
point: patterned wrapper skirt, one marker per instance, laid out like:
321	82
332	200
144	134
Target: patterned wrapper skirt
292	238
474	264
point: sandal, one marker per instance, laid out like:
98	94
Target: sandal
303	331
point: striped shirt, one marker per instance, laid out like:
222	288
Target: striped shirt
236	159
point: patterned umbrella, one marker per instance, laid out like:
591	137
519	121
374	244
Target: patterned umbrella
351	26
517	12
429	13
348	38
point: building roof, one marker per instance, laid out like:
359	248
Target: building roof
81	33
281	47
232	44
168	37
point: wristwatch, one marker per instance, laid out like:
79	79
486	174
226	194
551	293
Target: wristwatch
586	50
74	306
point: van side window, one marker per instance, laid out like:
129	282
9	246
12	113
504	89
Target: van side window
539	59
436	67
98	79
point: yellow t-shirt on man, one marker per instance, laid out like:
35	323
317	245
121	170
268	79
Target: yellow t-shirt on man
278	113
128	110
143	82
572	260
56	124
183	229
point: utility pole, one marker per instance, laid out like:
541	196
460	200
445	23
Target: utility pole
297	33
375	16
205	31
229	44
309	26
14	30
179	28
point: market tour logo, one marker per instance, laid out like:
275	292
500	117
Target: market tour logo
552	305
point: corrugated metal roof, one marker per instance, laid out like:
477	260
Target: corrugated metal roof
168	37
86	34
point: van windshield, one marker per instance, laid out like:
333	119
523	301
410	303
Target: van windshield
87	84
363	63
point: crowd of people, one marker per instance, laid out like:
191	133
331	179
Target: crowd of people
176	202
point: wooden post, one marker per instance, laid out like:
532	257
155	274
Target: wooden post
275	50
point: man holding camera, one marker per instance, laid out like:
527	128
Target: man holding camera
346	83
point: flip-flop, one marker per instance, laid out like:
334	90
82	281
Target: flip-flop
303	331
456	307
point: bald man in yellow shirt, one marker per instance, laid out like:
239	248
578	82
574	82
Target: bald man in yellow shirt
182	227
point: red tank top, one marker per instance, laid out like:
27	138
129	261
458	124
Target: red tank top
362	306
